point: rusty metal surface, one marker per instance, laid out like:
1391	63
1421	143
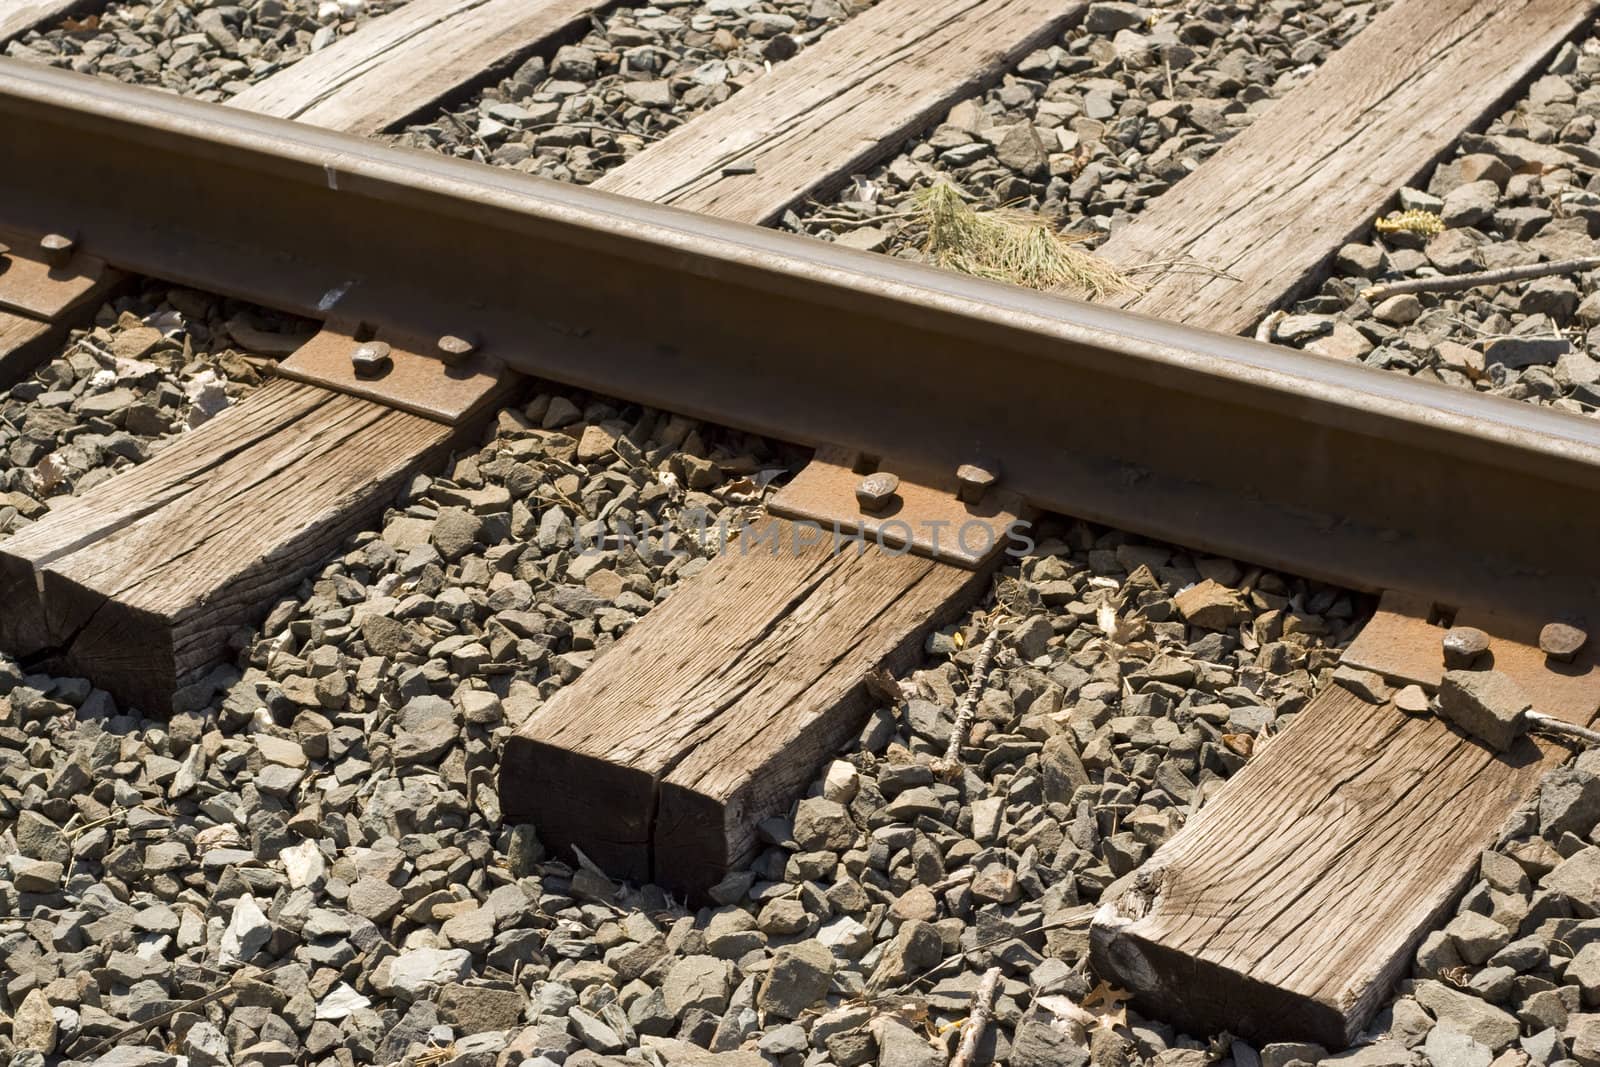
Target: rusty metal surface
31	286
1402	642
925	515
1327	469
418	383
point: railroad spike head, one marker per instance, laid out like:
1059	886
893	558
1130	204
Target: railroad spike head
1463	645
876	491
57	249
973	480
371	359
1561	641
454	350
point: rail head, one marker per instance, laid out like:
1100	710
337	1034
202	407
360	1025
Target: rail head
1330	469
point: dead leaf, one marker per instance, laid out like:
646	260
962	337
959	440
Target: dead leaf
1109	1004
49	475
1105	616
1069	1018
88	24
1241	744
958	639
883	686
743	491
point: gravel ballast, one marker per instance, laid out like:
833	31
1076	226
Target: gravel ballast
1523	192
1089	130
313	867
153	364
319	850
640	73
207	51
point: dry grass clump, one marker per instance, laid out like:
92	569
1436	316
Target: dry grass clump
1008	245
1421	223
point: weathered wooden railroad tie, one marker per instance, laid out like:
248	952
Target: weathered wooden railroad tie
713	712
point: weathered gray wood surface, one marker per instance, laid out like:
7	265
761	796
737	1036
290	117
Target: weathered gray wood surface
17	17
408	60
723	700
139	583
1288	906
842	104
1274	204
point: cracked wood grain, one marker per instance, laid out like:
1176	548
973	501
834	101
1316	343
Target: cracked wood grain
411	59
139	583
1267	213
715	709
1289	905
839	106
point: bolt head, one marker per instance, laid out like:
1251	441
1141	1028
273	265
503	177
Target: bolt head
1561	642
1463	645
454	350
876	491
371	360
57	248
973	480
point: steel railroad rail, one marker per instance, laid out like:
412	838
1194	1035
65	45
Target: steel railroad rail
1323	468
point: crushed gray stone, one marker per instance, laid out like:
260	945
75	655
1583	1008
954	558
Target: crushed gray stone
1524	190
207	51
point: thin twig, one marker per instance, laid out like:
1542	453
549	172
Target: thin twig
969	703
1551	725
1183	265
594	126
1081	915
1451	283
864	220
188	1005
961	877
1267	325
972	1030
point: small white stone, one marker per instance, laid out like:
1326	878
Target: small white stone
845	936
247	932
841	782
341	1002
417	970
986	816
188	776
304	864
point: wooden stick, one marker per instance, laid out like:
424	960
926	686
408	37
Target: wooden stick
972	1030
188	1005
1079	915
1552	725
969	703
1451	283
